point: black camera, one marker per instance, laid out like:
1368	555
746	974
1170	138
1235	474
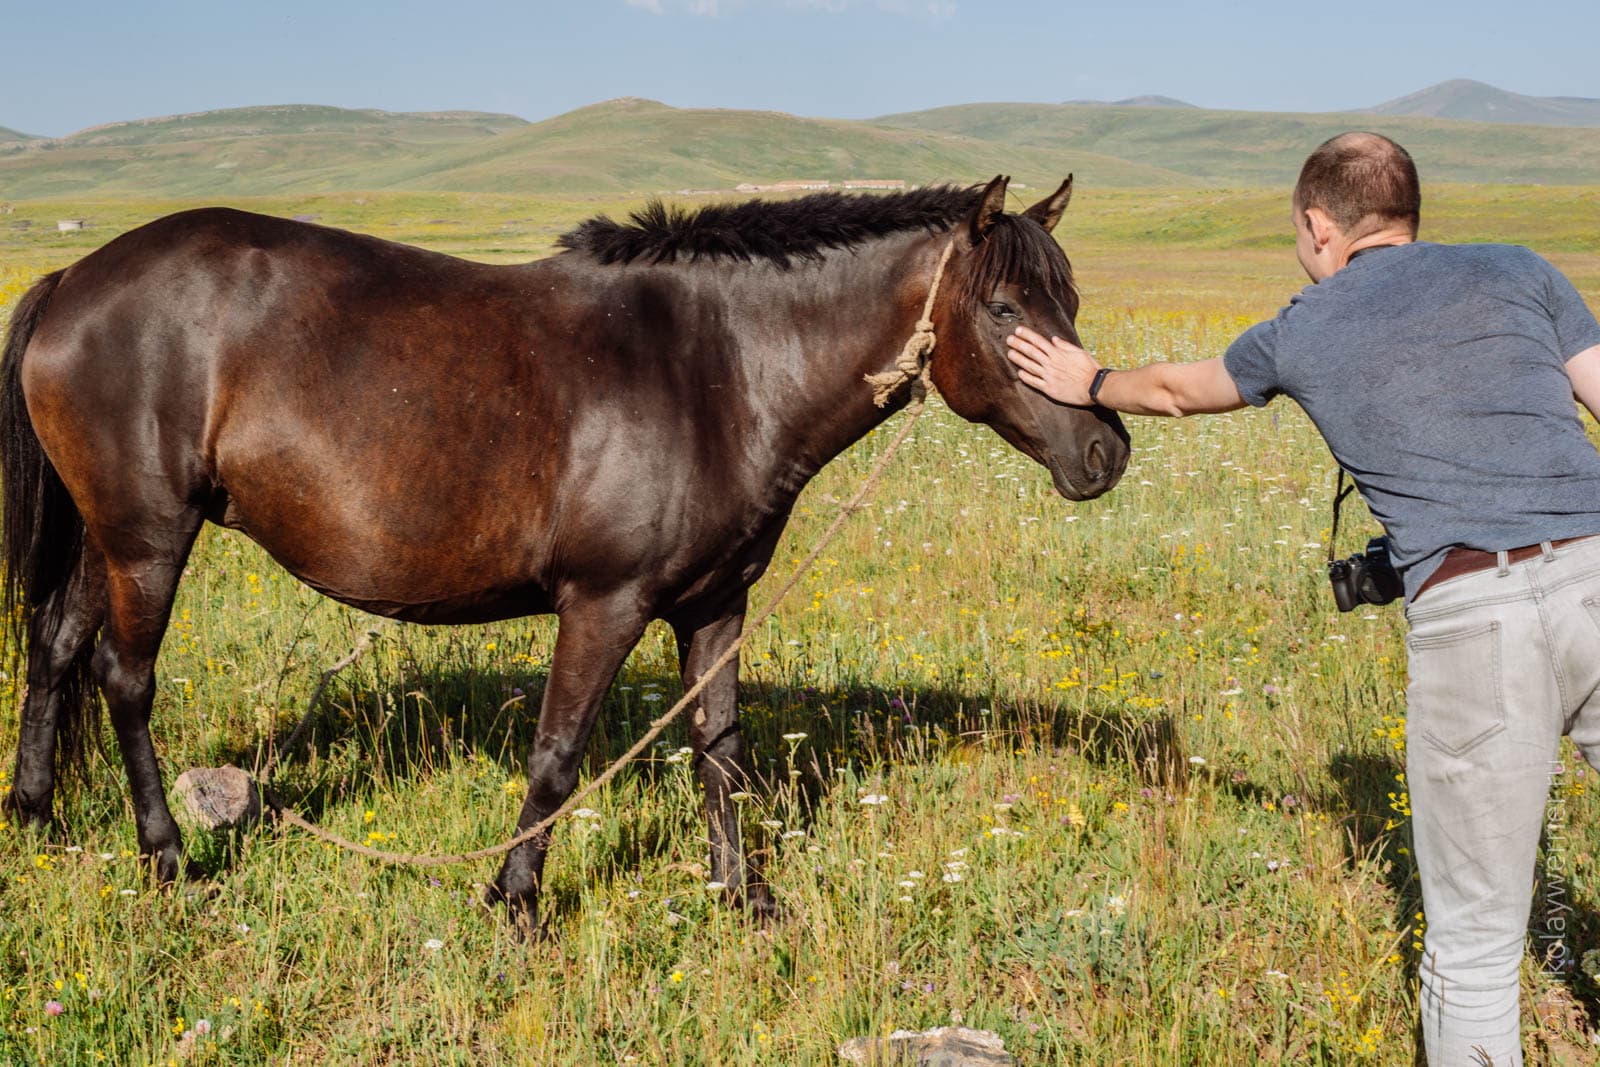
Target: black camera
1365	578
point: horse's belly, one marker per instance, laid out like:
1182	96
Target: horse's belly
390	560
475	608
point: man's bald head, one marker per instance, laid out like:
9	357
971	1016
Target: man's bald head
1364	181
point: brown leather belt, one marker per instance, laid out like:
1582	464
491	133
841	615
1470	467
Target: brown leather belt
1459	561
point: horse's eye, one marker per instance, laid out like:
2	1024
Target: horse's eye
1001	310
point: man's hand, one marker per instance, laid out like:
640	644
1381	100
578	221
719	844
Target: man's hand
1059	369
1064	372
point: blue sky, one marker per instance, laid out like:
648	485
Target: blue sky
68	65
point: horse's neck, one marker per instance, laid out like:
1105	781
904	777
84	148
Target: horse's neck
841	320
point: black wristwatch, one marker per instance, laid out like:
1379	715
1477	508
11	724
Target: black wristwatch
1094	386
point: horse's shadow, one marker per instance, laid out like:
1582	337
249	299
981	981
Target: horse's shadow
414	719
1370	793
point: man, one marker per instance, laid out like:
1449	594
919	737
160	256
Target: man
1442	378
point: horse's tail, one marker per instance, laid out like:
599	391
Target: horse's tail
41	535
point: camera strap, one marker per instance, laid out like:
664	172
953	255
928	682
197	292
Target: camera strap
1339	493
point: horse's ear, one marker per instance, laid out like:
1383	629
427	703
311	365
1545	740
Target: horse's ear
991	205
1048	211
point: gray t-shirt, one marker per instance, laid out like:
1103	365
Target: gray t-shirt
1437	375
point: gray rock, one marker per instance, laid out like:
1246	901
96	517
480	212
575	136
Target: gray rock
219	797
943	1046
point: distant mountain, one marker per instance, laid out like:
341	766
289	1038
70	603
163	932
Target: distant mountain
1138	101
8	134
1474	101
1154	101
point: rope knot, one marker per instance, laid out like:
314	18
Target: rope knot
912	363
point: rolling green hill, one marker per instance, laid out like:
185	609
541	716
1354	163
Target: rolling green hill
444	127
634	147
624	146
8	134
239	151
1263	148
637	146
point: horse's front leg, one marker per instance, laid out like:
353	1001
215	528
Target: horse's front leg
594	638
718	743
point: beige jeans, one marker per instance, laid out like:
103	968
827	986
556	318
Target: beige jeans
1502	664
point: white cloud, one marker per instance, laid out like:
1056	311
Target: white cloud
934	9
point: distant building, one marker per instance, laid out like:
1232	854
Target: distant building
802	185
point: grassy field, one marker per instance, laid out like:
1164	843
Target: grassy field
1140	782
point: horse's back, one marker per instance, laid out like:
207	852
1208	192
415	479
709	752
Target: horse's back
350	403
417	435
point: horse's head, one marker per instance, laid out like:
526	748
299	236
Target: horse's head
1007	271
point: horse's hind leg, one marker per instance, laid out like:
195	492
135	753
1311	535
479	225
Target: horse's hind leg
594	638
58	696
142	574
719	753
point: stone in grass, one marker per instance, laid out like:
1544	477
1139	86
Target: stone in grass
943	1046
220	798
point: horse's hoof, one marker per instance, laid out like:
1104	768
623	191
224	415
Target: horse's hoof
166	865
196	887
766	911
36	815
521	913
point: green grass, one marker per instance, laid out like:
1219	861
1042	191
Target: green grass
996	662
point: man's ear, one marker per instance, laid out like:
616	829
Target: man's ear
991	205
1323	228
1048	211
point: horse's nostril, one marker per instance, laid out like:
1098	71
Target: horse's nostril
1094	461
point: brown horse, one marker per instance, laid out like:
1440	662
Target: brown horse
614	434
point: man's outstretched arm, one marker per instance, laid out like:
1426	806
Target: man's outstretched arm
1063	371
1584	370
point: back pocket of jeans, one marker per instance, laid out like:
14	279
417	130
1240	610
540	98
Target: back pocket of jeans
1454	697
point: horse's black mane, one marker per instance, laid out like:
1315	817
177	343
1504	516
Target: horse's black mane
780	231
